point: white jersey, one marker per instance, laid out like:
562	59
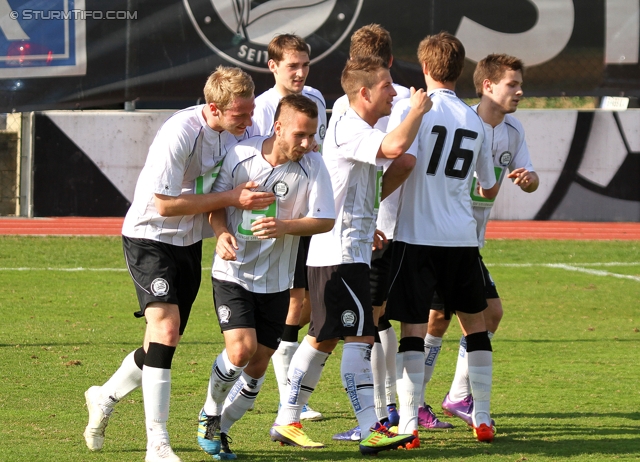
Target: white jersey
509	150
350	154
183	159
435	208
386	221
302	189
265	111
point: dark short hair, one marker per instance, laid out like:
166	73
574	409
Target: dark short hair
297	103
286	43
493	67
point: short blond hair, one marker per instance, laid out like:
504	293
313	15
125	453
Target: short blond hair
361	72
443	54
227	83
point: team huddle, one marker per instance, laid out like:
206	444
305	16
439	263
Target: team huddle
377	215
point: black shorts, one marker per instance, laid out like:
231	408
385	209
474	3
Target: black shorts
380	267
490	290
419	270
300	273
237	308
164	273
341	301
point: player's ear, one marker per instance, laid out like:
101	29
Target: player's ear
277	127
272	65
213	107
364	93
425	69
487	86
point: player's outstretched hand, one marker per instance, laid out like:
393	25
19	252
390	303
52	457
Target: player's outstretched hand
268	228
246	199
420	101
524	178
226	246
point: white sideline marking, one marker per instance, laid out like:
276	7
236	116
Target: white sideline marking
579	267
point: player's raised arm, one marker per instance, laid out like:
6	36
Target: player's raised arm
400	138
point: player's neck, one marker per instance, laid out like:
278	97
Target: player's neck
489	113
433	85
271	153
368	116
282	91
211	120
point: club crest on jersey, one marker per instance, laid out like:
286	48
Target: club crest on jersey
280	189
349	318
322	131
505	158
224	313
240	30
159	287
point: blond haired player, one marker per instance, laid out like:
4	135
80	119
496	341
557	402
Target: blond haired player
162	239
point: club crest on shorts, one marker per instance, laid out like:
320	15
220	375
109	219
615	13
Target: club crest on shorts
280	189
240	30
224	313
505	158
159	287
349	318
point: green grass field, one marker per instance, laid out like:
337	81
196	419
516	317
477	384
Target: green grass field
565	359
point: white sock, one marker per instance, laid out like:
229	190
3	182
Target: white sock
127	378
389	343
378	366
156	392
239	400
304	374
432	347
281	360
357	379
480	377
460	387
410	372
224	375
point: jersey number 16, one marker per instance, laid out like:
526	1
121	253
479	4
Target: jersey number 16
459	160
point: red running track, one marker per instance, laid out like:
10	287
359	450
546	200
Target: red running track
77	226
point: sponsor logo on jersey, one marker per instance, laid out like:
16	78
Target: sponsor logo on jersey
240	30
224	313
280	189
296	382
349	318
159	287
352	392
505	158
431	358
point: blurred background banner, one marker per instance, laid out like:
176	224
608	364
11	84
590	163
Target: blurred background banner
80	54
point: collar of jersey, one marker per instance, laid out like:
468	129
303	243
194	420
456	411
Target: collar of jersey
442	90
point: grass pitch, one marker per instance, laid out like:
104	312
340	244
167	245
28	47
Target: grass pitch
565	359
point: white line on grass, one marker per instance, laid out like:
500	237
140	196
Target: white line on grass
579	267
